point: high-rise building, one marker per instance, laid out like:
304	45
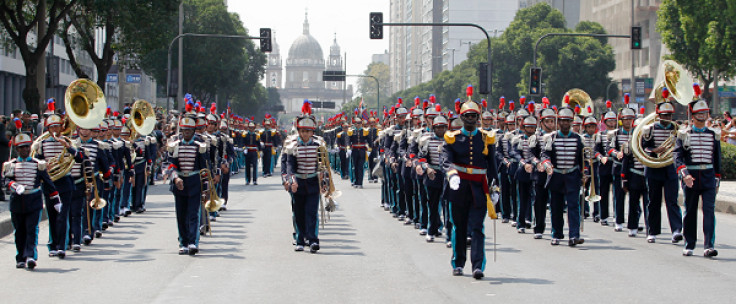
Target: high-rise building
383	58
615	17
418	54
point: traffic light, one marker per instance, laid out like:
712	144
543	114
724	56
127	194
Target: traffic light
376	30
483	88
535	82
333	76
636	37
265	40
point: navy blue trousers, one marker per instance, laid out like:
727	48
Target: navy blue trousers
187	219
305	216
26	234
674	213
690	222
465	215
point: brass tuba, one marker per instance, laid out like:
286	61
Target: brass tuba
86	106
580	98
679	85
85	103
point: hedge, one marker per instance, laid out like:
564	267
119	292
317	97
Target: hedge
728	161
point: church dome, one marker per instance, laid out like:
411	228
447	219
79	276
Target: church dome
305	46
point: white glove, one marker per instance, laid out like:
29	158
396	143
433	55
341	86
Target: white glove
494	197
455	182
245	151
19	189
349	153
57	206
262	145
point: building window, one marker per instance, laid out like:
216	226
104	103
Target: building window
334	84
291	76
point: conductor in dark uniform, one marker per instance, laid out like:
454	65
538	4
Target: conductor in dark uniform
467	155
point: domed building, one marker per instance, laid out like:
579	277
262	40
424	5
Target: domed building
303	72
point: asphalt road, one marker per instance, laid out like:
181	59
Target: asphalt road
366	257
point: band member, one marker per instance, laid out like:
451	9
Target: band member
251	141
488	119
123	168
53	146
698	160
635	183
343	141
577	122
270	139
372	140
548	126
140	165
129	173
358	153
413	190
592	141
520	150
23	177
96	161
618	143
508	167
662	179
228	155
562	158
466	156
398	207
187	158
304	180
605	169
429	160
106	220
423	217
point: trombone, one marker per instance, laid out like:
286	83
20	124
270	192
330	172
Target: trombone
592	197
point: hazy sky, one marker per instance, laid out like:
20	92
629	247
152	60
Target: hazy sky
347	18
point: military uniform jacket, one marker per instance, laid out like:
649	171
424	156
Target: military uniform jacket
142	155
652	137
302	165
565	154
371	138
698	153
358	138
632	173
30	173
270	138
400	151
463	151
187	159
342	139
52	148
109	152
93	153
618	142
605	137
430	153
508	163
251	141
522	152
413	149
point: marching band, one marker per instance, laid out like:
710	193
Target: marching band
441	172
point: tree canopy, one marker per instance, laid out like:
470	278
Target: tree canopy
567	62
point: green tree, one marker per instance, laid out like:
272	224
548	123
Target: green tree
700	34
121	17
22	17
367	85
212	66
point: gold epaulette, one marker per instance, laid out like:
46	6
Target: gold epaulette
450	136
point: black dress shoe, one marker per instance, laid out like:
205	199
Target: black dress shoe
117	219
105	226
31	263
710	252
20	265
478	274
313	248
457	272
98	233
575	241
61	254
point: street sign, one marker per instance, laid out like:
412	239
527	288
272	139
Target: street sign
333	76
323	104
112	78
133	78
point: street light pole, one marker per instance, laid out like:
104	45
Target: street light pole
453	58
168	65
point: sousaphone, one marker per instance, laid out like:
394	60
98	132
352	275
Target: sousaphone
85	103
680	88
580	98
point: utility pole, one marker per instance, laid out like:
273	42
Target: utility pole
632	91
179	92
452	67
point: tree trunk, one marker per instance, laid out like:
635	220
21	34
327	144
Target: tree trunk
102	71
31	95
716	107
